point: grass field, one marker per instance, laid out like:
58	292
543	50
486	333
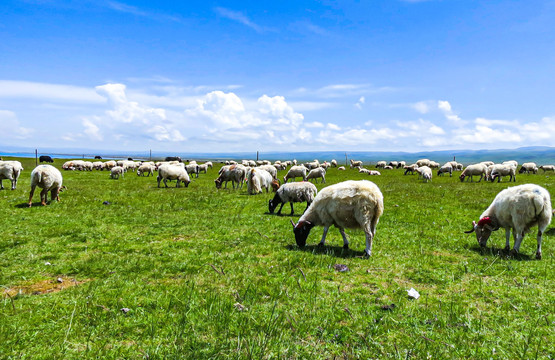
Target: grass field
206	273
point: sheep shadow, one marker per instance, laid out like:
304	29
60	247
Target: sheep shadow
500	252
335	251
25	205
550	232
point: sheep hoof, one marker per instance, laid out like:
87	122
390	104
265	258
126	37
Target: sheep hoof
538	256
345	246
514	252
320	245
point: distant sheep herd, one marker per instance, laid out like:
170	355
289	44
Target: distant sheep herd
349	204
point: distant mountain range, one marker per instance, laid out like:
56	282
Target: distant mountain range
537	154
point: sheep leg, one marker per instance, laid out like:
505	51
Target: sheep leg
345	241
281	207
166	182
31	195
507	239
292	210
43	195
54	195
518	239
539	250
323	241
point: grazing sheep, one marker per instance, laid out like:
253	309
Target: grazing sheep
295	172
472	170
98	165
209	164
510	162
349	204
401	164
333	163
271	169
48	178
316	174
487	163
257	179
116	171
423	162
387	167
341	168
364	171
312	165
203	168
10	170
518	208
355	163
393	164
547	168
410	168
108	165
528	167
173	172
146	168
381	164
433	165
192	169
445	168
374	172
233	173
293	192
424	172
498	171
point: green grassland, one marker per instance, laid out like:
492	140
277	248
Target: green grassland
207	273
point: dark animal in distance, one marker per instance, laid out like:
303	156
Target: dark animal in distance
45	158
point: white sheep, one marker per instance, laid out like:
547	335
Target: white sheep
233	173
48	178
355	163
410	168
146	168
547	168
393	164
401	164
203	168
528	167
98	165
10	170
116	171
271	169
473	170
518	208
173	172
293	192
511	162
333	163
257	180
295	172
311	165
498	171
424	172
423	162
192	169
381	164
364	171
341	168
110	164
446	168
318	173
209	164
433	164
349	204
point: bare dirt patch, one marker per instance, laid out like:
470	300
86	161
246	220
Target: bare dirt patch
43	286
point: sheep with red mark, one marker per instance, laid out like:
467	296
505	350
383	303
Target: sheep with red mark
518	208
349	204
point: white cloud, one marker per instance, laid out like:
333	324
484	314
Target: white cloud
445	107
240	18
45	91
314	124
10	128
333	127
422	107
360	102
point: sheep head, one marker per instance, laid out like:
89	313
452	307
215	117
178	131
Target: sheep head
218	183
301	231
462	177
483	229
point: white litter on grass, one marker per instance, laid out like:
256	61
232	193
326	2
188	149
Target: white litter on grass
413	293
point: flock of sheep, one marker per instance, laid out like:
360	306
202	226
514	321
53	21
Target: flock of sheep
349	204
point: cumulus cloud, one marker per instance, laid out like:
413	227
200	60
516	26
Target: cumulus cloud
10	128
445	107
126	119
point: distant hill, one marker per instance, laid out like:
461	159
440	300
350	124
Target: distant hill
537	154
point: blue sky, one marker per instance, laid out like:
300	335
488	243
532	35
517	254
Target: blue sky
204	76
